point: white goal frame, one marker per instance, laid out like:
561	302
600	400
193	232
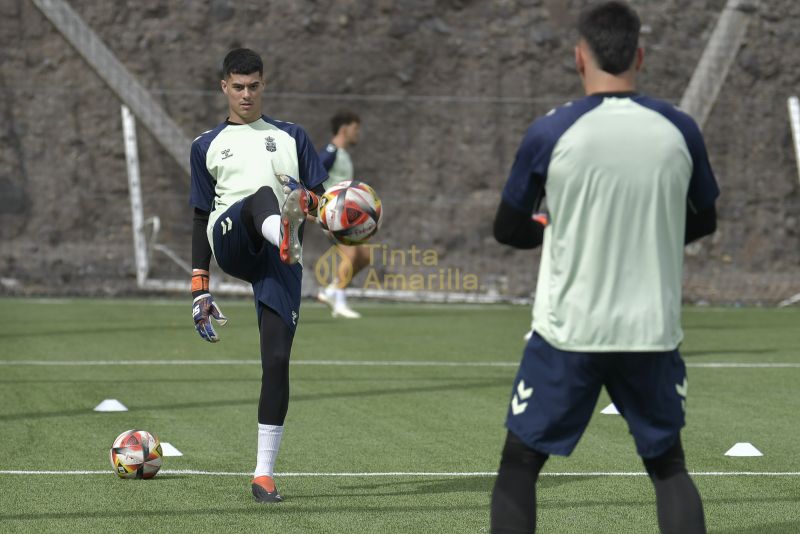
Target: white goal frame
793	103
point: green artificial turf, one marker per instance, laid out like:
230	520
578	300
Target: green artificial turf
404	447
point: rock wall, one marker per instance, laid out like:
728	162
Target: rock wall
445	90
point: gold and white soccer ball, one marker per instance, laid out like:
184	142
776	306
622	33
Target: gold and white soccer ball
136	454
350	212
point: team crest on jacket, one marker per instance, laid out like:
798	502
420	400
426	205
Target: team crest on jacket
269	142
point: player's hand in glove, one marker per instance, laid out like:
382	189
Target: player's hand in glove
204	307
289	184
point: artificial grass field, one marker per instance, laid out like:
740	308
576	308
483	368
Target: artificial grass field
409	446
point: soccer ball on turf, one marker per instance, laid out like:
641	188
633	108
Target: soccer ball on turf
136	454
350	212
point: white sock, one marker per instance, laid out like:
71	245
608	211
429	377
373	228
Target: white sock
271	229
330	290
341	300
269	441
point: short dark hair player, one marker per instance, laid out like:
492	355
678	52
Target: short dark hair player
251	185
628	183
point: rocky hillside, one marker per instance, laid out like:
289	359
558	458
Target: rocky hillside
445	89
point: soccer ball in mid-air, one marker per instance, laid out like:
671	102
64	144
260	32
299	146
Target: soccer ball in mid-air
136	454
350	212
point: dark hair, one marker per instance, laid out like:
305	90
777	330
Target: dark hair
611	30
242	61
343	117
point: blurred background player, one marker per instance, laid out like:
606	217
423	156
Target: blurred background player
346	129
628	183
239	179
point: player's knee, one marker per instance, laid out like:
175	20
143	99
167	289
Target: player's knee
275	363
260	205
669	464
265	202
517	453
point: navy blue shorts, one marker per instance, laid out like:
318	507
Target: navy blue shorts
275	284
556	391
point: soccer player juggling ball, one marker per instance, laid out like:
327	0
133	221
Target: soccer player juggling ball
628	183
253	183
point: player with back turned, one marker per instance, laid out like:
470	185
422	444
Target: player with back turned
628	183
249	212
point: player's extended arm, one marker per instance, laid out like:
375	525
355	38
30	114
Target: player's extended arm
699	224
203	305
515	228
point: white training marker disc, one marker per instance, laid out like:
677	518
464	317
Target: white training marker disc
168	450
110	405
743	449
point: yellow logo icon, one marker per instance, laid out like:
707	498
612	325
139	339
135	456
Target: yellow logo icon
333	266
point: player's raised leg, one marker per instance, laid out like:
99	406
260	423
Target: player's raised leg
262	216
294	212
279	226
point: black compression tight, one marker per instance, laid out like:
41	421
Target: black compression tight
513	508
276	345
680	510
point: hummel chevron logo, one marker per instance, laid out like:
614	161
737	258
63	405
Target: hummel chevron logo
516	406
522	394
227	224
682	389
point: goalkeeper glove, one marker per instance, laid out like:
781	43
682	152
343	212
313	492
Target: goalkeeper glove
204	308
289	184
